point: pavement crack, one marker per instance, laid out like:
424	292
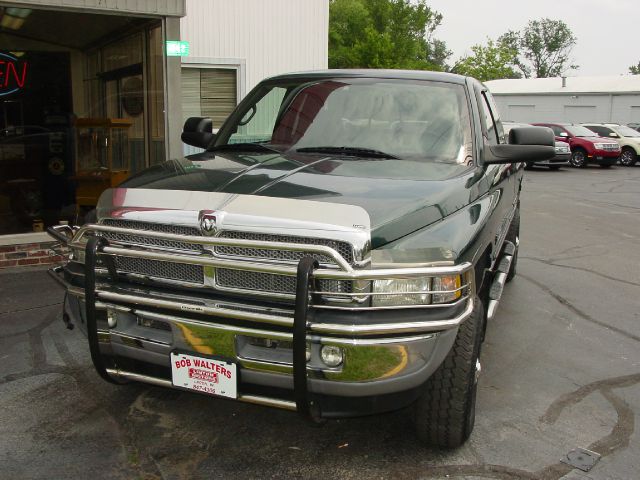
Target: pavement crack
563	301
581	269
620	434
21	310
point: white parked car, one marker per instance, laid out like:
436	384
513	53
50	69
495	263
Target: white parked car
627	138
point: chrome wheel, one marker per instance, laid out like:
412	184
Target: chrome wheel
578	159
628	157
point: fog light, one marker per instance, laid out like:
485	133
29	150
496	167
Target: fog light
331	356
112	319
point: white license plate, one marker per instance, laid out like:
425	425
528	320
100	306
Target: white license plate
215	377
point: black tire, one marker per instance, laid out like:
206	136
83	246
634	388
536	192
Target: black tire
445	413
628	157
513	234
578	158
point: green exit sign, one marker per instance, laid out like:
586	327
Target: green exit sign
177	48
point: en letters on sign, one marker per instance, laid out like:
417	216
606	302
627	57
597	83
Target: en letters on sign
13	74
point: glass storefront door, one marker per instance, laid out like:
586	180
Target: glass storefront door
86	112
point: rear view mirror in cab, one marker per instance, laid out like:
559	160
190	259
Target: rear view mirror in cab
527	144
198	132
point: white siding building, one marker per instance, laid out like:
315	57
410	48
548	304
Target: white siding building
572	99
235	44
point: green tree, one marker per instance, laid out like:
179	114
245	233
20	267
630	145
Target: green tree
544	48
490	62
635	69
385	34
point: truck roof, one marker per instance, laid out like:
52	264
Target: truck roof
375	73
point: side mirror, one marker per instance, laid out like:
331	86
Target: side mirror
614	135
197	132
528	144
563	135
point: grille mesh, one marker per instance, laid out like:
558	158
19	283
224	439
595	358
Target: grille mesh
268	282
168	270
343	248
152	227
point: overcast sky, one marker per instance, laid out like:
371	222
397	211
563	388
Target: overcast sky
607	31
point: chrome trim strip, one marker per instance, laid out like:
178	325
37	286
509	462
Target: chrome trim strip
194	308
116	333
383	328
238	330
391	307
283	335
215	241
367	294
332	329
268	402
161	382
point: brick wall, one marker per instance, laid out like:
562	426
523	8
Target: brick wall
28	254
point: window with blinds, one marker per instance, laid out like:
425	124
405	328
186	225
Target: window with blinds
208	92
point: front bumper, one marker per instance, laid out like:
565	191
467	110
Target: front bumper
373	368
604	157
388	354
561	159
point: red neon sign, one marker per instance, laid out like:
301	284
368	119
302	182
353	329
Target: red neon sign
13	74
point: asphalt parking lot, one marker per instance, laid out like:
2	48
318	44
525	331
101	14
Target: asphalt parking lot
561	370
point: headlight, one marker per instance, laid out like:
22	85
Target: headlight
402	291
416	291
600	146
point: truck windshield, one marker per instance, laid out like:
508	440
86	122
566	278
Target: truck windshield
366	118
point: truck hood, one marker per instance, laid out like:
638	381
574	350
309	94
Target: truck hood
399	196
595	139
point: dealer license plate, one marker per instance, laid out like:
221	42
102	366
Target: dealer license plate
215	377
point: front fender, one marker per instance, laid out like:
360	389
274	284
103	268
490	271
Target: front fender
460	237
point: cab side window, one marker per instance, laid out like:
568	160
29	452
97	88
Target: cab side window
602	131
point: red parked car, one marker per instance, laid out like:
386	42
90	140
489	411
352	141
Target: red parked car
586	146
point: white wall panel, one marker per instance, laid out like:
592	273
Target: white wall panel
618	108
269	36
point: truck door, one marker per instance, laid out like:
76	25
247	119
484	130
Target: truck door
505	179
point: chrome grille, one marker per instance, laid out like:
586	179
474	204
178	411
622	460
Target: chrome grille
152	227
224	277
611	147
343	248
268	282
165	270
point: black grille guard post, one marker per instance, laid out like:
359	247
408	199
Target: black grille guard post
300	390
93	248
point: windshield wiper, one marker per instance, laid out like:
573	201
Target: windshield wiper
353	151
245	147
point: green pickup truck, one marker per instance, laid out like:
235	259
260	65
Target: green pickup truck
336	250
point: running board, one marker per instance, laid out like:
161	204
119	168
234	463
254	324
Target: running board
500	279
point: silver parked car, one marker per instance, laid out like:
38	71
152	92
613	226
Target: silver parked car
563	152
